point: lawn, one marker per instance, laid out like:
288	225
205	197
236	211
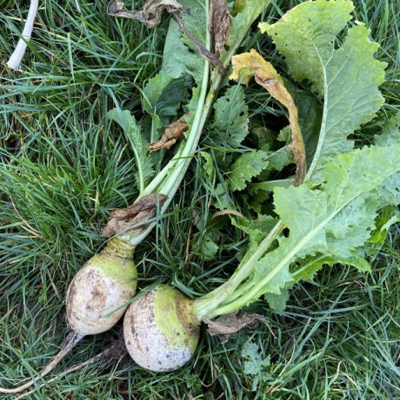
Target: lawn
65	165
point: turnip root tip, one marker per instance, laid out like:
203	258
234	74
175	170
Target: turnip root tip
160	331
69	343
116	351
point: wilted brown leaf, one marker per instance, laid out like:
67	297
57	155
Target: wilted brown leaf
224	326
151	13
219	24
128	219
170	136
266	76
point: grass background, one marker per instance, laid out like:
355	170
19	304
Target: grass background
63	167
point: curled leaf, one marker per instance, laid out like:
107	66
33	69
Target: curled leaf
266	76
228	324
171	135
151	13
133	218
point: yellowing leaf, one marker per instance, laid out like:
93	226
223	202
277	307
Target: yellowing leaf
343	72
266	76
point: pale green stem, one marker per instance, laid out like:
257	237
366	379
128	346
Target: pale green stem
169	179
168	184
209	304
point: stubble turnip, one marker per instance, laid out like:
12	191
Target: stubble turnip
96	298
160	331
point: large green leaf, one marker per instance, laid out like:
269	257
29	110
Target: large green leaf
331	223
181	69
345	75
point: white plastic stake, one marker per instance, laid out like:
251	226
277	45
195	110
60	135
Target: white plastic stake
18	54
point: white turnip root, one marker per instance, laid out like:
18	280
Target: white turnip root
96	298
159	330
104	284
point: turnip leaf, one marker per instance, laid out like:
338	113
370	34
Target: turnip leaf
390	132
231	118
132	131
331	223
347	77
181	65
247	166
254	365
328	224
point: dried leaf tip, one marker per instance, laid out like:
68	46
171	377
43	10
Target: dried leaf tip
171	135
135	218
267	77
228	324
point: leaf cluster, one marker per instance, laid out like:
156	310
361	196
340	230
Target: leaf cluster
64	166
331	217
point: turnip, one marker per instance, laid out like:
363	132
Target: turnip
161	328
160	331
98	294
96	299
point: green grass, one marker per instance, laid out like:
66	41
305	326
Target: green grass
63	167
